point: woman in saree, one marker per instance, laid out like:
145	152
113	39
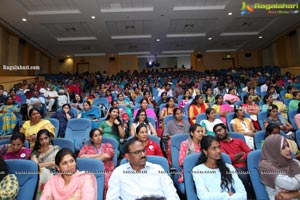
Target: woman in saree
222	108
16	149
31	127
8	116
91	113
44	155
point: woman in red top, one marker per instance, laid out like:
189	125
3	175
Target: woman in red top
150	146
197	107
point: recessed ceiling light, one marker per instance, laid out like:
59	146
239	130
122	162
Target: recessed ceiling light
24	20
230	13
260	37
157	40
93	17
209	38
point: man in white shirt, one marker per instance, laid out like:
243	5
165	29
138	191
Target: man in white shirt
51	96
139	178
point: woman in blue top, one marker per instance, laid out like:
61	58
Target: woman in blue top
63	117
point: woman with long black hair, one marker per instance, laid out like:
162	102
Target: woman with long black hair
215	179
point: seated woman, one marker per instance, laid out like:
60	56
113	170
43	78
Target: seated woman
168	109
9	185
90	98
215	179
289	92
123	114
77	103
221	108
274	129
274	118
100	151
231	97
69	183
122	101
150	146
293	105
250	107
91	113
16	149
109	96
141	118
268	102
149	111
31	127
209	123
255	98
43	154
8	116
63	116
185	100
279	172
209	97
16	99
243	125
191	145
196	107
113	126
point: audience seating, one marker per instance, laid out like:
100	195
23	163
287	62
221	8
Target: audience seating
63	143
55	123
27	173
230	116
237	135
252	164
72	110
171	117
101	100
262	115
189	163
202	116
7	141
259	136
78	130
175	149
298	138
97	168
291	116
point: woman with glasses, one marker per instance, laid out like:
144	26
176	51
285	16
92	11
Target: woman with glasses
141	118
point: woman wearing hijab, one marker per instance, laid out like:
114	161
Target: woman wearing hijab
279	172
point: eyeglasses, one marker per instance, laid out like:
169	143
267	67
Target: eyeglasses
138	152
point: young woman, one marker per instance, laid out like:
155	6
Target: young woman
77	103
149	111
100	151
191	145
250	107
113	126
63	116
126	103
151	147
215	179
186	99
197	106
231	97
222	108
44	154
209	123
208	97
141	118
16	149
8	116
88	112
69	183
168	109
279	172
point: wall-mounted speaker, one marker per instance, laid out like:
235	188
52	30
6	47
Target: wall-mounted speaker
112	58
61	60
248	55
22	41
199	55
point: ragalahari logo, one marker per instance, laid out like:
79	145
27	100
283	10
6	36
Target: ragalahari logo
246	8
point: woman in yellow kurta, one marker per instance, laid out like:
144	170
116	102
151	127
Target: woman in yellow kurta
34	125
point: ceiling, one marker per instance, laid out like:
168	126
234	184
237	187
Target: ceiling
65	27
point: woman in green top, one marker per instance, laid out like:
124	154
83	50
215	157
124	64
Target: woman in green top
113	126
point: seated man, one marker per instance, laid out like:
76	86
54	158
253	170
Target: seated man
51	96
36	102
237	150
139	178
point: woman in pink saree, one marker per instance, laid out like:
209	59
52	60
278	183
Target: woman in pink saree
222	108
69	183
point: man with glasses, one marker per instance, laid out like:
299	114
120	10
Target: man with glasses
139	178
237	150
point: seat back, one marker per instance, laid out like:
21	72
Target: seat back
171	117
298	138
252	164
72	110
63	143
162	161
27	174
78	131
154	139
202	116
237	135
189	163
259	136
101	100
261	117
97	168
55	123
